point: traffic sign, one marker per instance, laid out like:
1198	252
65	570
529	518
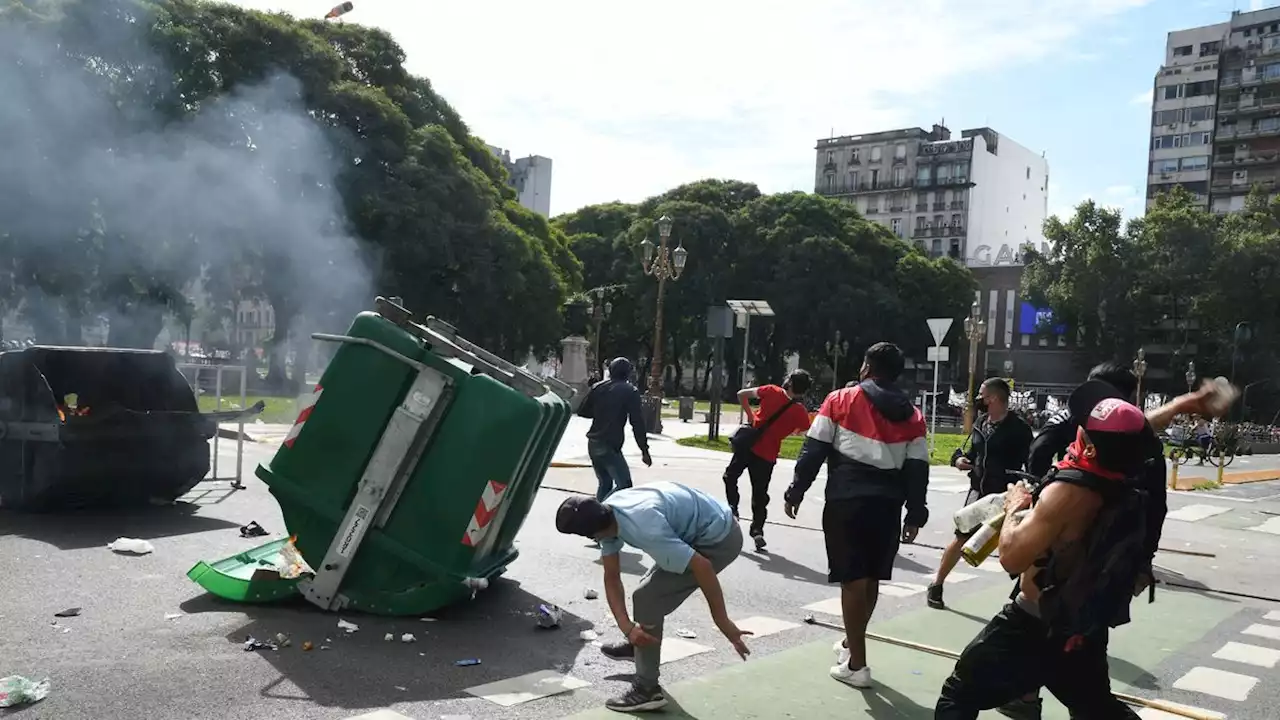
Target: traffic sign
940	353
939	328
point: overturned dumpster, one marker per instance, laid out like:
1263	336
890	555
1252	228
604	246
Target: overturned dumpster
82	427
406	476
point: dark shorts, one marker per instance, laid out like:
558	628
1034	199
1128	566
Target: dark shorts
862	536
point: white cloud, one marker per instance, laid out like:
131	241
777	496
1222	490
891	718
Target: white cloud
1143	98
631	99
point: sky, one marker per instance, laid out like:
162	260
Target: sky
631	102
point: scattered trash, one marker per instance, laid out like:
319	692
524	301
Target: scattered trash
58	627
476	585
283	640
388	637
349	627
16	690
172	616
408	638
69	612
307	646
290	564
686	633
916	672
132	546
590	594
589	635
251	643
253	530
324	647
467	663
401	688
427	619
549	616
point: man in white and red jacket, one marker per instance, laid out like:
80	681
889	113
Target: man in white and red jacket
873	440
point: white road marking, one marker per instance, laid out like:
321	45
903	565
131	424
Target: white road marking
380	715
1270	632
1249	654
991	565
1219	683
677	648
1195	513
1271	526
522	689
830	606
959	577
1153	714
761	626
953	489
1274	615
900	589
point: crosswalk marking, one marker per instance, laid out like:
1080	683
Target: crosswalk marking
677	648
900	589
1273	615
1219	683
1249	654
761	626
1270	632
950	488
1271	526
1195	513
959	577
830	606
524	688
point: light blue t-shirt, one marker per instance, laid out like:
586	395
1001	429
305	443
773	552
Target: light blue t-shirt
667	520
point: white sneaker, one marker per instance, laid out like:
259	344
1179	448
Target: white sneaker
842	652
860	678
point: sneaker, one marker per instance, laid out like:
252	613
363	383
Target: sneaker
934	597
619	651
842	652
1022	709
860	678
638	699
760	542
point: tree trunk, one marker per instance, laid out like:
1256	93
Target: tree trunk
278	345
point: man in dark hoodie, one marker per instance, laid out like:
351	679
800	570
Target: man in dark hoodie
609	405
873	441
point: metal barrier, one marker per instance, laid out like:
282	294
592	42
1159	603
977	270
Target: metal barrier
193	379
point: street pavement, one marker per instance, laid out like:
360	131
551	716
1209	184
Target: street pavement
150	644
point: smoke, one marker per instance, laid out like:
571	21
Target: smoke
98	188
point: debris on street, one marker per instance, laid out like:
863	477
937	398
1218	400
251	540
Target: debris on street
549	616
408	638
283	640
686	633
590	594
389	637
589	635
69	612
172	616
132	546
290	564
251	643
307	646
16	690
253	530
467	662
349	627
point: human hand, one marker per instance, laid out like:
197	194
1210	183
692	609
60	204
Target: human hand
1017	497
909	534
791	509
735	635
639	637
962	463
646	458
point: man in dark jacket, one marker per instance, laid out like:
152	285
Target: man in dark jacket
609	405
873	441
998	444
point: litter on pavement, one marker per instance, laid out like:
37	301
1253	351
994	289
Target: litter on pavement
349	627
16	690
408	638
253	530
467	662
686	633
389	637
251	643
549	616
590	594
589	635
69	612
132	546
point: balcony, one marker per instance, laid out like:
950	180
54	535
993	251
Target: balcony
922	207
938	231
924	182
1230	186
957	230
1250	104
898	208
924	231
1231	132
899	161
1227	82
957	204
939	206
873	210
1258	158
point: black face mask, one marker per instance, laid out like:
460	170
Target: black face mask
980	406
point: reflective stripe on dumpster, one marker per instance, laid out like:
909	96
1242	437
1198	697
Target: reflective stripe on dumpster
304	412
486	509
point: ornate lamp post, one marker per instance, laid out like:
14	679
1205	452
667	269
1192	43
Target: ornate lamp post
601	308
1191	376
835	351
665	265
974	328
1140	369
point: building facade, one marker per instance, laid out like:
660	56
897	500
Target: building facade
1216	111
531	179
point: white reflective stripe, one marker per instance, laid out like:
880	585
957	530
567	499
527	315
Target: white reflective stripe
882	455
823	429
918	449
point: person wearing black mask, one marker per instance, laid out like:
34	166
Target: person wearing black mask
999	443
610	405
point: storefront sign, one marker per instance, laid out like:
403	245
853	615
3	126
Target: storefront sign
1004	255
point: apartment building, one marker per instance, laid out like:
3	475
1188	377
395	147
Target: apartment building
1215	125
531	178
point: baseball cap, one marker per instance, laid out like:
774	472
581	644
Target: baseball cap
582	515
1114	427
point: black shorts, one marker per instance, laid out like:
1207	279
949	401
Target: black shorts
862	537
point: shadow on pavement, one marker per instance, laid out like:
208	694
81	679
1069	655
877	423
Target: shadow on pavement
884	703
96	528
630	563
362	670
780	565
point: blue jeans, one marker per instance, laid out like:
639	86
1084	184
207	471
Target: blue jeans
611	468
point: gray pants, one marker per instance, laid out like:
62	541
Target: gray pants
661	592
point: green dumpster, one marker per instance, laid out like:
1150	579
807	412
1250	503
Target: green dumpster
407	475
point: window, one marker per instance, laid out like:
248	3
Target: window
936	250
1028	172
853	178
873	204
854	156
944	173
1167	117
955	220
896	226
875	178
922	175
1210	48
1164	166
920	223
1161	142
831	183
1170	92
875	154
937	221
1268	124
1271	71
962	172
1182	51
899	176
1200	162
831	157
1198	114
955	248
1197	89
900	151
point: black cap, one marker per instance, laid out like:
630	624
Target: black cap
582	515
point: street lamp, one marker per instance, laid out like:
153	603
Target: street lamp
1140	369
1242	333
974	328
601	308
835	351
1191	376
665	265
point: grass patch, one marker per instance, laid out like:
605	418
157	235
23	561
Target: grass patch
279	409
1207	485
941	455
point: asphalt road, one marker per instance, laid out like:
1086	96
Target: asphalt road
151	644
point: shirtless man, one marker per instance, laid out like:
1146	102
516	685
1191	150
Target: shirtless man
1018	652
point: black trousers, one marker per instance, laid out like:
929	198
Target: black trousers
1014	655
760	471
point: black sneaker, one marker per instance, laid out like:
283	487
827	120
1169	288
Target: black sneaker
760	542
1022	709
935	597
638	699
619	651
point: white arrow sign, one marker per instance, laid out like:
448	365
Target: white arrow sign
939	328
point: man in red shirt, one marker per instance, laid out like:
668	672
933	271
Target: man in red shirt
782	413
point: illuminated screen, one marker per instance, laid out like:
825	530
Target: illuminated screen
1034	320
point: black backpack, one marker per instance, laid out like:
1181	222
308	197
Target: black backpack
1081	601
